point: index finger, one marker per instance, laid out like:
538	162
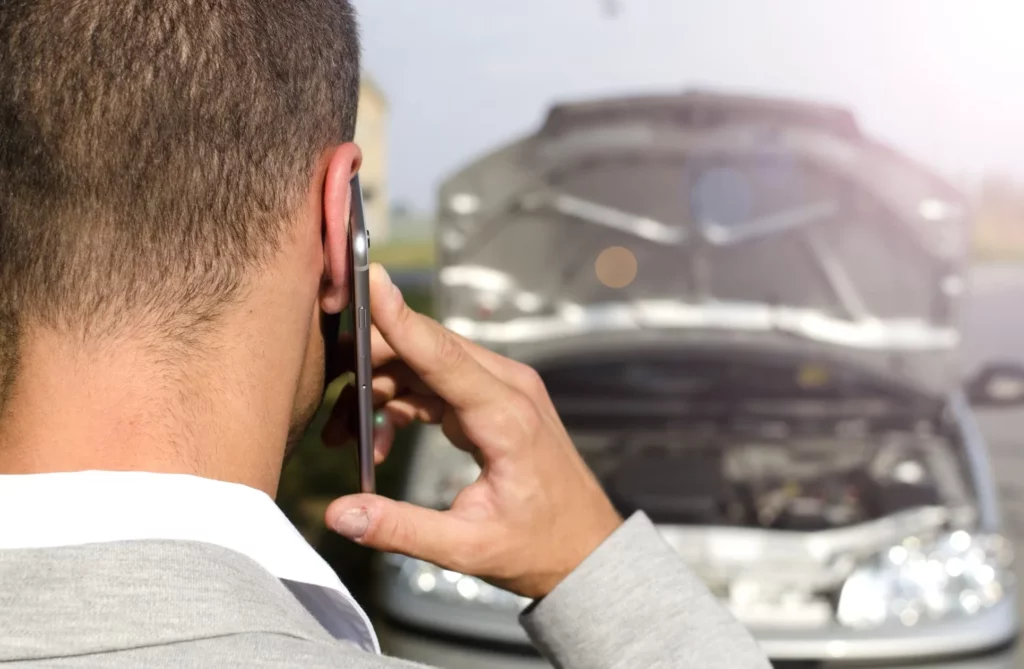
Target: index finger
432	351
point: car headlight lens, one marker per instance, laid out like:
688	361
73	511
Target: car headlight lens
424	579
956	575
438	471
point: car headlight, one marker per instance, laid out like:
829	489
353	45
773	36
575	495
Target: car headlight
437	472
427	580
957	575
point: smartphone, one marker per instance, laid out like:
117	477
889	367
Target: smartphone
359	308
358	327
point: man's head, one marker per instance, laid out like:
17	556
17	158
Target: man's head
165	167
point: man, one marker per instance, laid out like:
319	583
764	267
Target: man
174	194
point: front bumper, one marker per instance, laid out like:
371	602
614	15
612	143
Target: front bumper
899	646
448	653
463	626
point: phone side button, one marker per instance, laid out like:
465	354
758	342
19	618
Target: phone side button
362	317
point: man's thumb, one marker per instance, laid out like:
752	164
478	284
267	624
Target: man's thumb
399	527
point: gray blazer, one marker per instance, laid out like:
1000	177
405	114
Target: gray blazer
631	604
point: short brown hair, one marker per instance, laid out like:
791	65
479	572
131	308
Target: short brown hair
153	151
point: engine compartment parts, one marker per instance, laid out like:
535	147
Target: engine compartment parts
797	484
673	489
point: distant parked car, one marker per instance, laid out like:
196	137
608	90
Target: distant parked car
746	314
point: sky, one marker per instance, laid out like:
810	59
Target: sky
942	80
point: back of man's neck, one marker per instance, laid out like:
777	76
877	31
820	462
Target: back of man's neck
122	412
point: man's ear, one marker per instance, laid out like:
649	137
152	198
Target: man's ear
342	166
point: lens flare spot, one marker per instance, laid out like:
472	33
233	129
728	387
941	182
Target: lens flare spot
970	601
616	267
960	541
426	582
468	588
898	555
909	617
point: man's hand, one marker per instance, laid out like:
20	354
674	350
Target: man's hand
535	512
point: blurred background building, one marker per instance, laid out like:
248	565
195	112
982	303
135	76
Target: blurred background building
372	137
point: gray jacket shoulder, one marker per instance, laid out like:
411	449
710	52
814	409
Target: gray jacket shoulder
239	651
632	603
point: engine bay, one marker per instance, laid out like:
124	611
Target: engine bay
774	480
776	514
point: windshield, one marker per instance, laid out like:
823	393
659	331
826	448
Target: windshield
729	229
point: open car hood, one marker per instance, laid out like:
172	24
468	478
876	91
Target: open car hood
707	217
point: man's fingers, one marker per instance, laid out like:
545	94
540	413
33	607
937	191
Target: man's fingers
394	379
515	374
380	351
434	353
406	409
383	435
522	377
398	527
385	422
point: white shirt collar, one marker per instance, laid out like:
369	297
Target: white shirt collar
75	508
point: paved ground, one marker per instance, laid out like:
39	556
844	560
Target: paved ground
994	328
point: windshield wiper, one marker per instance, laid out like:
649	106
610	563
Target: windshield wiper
662	233
838	279
766	226
609	217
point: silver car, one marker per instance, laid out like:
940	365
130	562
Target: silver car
745	312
